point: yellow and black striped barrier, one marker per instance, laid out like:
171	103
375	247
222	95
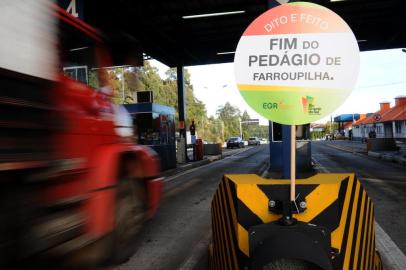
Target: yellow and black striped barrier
337	211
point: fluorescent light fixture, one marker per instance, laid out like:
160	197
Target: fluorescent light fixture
337	0
78	49
221	53
213	14
361	40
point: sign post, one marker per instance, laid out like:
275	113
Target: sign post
295	64
293	163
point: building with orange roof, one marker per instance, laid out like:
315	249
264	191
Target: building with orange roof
394	121
345	122
386	123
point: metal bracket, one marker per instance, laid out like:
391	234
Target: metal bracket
297	206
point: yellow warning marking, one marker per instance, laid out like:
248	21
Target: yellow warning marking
320	178
351	231
337	234
243	240
318	200
230	199
273	88
220	238
364	247
224	208
256	201
371	240
360	223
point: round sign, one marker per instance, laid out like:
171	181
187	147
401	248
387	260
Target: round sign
296	63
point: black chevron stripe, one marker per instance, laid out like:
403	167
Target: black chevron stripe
232	240
364	221
371	238
282	192
355	232
225	229
341	195
242	258
222	231
220	252
347	223
328	217
367	233
216	238
246	217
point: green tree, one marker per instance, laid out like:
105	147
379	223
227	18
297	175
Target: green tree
230	116
247	128
129	80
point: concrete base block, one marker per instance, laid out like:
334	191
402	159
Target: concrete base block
381	144
212	149
374	154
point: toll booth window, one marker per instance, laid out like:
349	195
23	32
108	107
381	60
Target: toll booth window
170	123
277	132
154	128
167	129
303	132
148	133
77	73
77	55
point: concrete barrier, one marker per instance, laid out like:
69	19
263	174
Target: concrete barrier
381	144
212	149
374	154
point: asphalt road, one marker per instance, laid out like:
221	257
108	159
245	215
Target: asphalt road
385	183
181	231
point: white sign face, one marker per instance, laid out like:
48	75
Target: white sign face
296	63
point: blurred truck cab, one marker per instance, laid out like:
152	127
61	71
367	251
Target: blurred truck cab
74	188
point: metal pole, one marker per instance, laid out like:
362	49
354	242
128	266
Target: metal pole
286	150
122	85
292	163
181	103
240	129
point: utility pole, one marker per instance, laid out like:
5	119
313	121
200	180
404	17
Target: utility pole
249	121
122	85
240	129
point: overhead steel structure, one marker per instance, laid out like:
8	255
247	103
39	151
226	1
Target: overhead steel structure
193	32
167	31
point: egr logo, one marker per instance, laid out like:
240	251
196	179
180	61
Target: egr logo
309	106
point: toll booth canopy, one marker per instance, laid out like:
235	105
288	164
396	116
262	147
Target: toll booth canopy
154	126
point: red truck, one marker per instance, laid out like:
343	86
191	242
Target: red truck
74	188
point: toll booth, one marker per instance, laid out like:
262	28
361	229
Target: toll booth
303	148
345	119
154	126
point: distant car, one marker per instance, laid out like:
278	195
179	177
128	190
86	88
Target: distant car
253	141
235	142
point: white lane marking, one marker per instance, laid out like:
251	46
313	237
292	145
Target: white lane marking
170	178
167	179
266	169
392	257
374	180
198	252
321	167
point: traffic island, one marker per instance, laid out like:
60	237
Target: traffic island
398	156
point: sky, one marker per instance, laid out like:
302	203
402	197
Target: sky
382	77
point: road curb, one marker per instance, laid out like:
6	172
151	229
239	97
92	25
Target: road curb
195	164
372	154
392	257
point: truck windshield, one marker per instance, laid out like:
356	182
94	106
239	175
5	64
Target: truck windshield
78	55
